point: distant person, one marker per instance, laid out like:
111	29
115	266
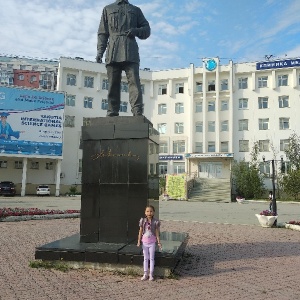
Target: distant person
120	23
149	235
6	131
270	200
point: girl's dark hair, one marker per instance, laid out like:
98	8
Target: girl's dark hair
150	206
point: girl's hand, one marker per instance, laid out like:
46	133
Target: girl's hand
138	244
160	246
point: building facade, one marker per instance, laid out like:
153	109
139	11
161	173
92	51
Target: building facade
207	116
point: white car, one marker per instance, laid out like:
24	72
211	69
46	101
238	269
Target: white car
42	190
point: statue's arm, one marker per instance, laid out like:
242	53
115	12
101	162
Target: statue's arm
103	35
143	27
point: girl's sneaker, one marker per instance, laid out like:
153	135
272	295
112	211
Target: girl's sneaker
151	278
145	277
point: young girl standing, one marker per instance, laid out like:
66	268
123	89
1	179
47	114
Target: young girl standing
149	235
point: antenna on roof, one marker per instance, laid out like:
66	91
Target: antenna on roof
268	57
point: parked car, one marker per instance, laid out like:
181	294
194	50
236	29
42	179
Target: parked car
7	188
42	190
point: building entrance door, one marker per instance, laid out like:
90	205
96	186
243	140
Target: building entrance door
210	170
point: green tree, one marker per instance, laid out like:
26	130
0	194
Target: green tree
249	183
291	183
293	151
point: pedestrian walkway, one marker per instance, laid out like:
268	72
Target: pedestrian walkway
221	261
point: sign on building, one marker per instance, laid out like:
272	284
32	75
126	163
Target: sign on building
31	122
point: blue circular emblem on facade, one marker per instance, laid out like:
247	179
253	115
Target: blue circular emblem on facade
210	65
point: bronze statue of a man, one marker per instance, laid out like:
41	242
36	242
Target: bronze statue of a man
120	23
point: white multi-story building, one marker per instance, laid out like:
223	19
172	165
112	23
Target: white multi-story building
207	116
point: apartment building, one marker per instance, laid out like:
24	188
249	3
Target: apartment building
207	115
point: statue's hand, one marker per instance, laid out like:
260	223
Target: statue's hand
99	58
131	33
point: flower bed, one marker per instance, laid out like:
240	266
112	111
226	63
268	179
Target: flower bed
267	213
295	225
16	212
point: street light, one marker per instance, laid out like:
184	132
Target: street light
274	204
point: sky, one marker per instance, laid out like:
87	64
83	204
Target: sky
182	31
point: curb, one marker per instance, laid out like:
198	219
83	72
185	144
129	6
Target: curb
39	217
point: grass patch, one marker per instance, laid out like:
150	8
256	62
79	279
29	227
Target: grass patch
59	266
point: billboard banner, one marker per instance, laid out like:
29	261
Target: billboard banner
31	122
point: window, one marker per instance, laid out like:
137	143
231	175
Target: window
243	103
104	104
224	125
69	121
124	87
123	106
179	109
283	101
211	105
34	165
284	145
143	88
224	84
264	168
284	123
263	145
162	109
71	79
282	80
163	168
211	126
18	164
3	164
262	102
80	166
88	102
33	78
86	121
49	165
211	147
263	124
243	124
163	147
199	147
198	107
243	146
243	83
178	146
263	81
224	146
179	88
105	84
151	148
70	100
88	81
162	89
21	77
199	126
179	168
199	87
211	85
178	127
224	105
162	128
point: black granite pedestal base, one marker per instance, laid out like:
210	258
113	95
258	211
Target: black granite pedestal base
118	255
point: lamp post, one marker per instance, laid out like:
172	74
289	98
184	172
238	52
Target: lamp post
274	204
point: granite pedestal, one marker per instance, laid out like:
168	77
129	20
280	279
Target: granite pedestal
119	172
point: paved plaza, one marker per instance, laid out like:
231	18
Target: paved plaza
223	259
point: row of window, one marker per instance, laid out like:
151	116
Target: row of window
33	165
179	147
264	145
263	102
88	103
263	124
262	81
89	83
